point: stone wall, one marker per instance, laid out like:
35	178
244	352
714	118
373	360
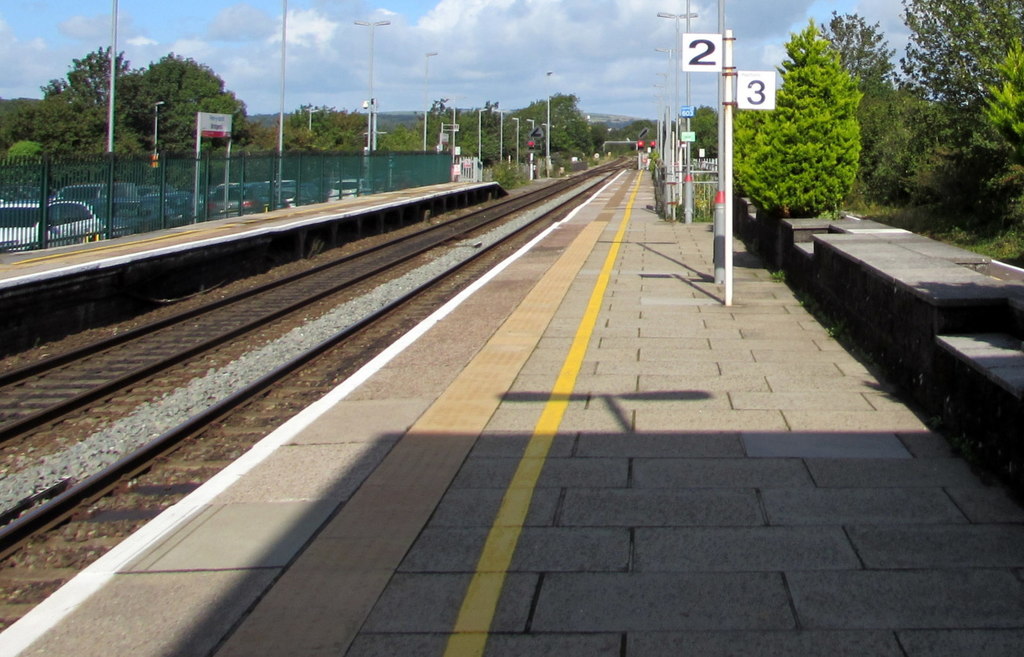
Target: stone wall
942	323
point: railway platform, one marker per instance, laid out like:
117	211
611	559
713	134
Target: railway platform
54	292
587	454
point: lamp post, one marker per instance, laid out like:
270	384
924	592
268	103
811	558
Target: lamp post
113	78
516	119
280	112
156	122
371	117
547	131
677	157
426	93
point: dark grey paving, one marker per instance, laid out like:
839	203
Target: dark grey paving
547	549
428	603
820	444
498	645
742	549
907	599
661	507
477	507
961	643
512	445
987	504
840	506
703	473
763	644
940	546
557	473
653	445
883	473
661	601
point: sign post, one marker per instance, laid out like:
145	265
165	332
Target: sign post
213	126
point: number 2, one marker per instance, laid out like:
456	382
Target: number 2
709	49
701	52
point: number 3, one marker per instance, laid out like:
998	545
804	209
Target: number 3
759	97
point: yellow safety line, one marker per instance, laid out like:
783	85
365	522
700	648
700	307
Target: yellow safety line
473	625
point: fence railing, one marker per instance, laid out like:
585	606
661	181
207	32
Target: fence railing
53	201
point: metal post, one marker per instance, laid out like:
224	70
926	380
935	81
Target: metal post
113	78
547	132
426	94
725	165
719	251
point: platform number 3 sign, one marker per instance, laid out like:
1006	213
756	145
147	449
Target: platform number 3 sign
755	90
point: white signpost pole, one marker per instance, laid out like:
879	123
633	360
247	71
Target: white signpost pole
725	163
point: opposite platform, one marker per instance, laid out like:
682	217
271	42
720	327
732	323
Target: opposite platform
591	456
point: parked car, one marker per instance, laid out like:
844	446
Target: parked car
178	210
127	201
247	199
70	222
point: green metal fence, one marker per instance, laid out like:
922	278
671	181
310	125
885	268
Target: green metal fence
56	201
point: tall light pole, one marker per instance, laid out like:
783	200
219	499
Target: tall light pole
371	117
280	113
480	135
516	119
156	122
426	94
113	78
547	131
677	48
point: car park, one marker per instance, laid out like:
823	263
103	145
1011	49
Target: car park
69	222
127	201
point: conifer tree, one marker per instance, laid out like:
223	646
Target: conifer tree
801	159
1005	108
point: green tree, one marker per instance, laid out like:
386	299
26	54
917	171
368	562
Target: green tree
801	159
863	50
955	44
184	87
72	117
952	57
1005	108
25	148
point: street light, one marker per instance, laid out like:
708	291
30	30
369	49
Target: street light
688	206
426	94
547	131
516	119
113	77
371	119
280	112
156	122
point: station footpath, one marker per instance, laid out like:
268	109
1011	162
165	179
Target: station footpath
590	456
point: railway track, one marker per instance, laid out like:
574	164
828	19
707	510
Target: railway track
130	360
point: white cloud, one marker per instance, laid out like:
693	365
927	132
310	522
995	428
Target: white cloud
243	22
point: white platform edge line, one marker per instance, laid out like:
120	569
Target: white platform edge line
47	614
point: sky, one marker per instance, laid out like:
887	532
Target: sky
602	51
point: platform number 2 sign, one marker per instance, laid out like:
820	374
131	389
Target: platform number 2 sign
755	90
702	52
